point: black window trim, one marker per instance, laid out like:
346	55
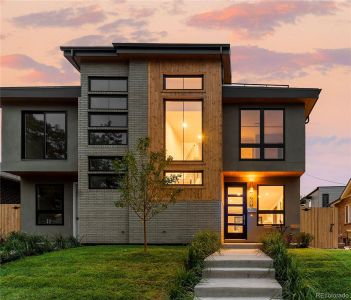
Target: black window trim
107	113
187	171
23	134
110	96
274	212
114	157
327	198
49	211
100	175
105	131
262	145
165	100
165	76
107	78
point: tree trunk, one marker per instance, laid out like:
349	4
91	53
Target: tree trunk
145	239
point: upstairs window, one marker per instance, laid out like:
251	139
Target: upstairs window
262	134
325	200
108	119
108	84
108	102
184	129
44	135
186	178
172	82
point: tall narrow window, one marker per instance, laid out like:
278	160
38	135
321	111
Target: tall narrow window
270	205
44	135
262	134
325	200
50	198
347	214
184	130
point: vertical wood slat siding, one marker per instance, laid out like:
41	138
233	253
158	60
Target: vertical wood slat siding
212	120
317	221
9	218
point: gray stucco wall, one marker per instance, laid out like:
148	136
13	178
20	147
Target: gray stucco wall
11	140
294	141
28	206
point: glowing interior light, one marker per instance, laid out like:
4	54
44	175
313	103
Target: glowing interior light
199	137
184	125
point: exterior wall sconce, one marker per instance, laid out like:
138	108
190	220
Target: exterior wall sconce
251	194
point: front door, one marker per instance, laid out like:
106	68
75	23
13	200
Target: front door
235	225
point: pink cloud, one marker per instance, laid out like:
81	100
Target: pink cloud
257	19
260	63
38	72
63	17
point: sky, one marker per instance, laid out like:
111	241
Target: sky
300	43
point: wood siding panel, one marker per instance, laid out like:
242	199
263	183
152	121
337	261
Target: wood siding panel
318	222
211	96
9	218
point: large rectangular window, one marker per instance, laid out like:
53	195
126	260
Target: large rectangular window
179	82
262	134
270	205
44	135
108	102
108	137
186	178
108	119
184	129
49	204
102	163
104	181
108	84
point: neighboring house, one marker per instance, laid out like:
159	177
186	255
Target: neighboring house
343	205
239	149
322	196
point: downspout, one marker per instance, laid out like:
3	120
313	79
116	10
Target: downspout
74	60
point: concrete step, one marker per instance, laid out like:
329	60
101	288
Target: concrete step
237	245
240	261
243	287
238	273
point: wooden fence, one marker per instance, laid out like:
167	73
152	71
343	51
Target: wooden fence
322	223
9	218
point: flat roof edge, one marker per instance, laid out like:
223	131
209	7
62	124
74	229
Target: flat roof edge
64	92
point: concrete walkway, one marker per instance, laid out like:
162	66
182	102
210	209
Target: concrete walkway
238	272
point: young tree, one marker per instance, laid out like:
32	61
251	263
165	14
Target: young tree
143	186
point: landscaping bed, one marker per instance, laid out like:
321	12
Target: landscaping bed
94	272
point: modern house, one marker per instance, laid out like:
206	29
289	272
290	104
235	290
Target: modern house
343	204
239	149
322	196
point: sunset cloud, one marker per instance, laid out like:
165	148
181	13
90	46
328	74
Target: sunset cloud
258	19
255	62
66	17
37	72
116	25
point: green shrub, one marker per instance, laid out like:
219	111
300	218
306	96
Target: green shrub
19	244
275	245
303	239
204	244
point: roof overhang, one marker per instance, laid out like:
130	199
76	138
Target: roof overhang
48	94
237	94
124	51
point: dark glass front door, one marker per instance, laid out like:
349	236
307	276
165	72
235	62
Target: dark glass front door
235	226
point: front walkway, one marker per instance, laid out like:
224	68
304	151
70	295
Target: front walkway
238	274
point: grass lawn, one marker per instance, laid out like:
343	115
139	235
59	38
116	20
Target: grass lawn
93	272
326	270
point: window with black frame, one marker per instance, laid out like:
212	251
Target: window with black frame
270	205
262	134
49	204
44	135
102	172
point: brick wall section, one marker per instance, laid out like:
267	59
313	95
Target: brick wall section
178	223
